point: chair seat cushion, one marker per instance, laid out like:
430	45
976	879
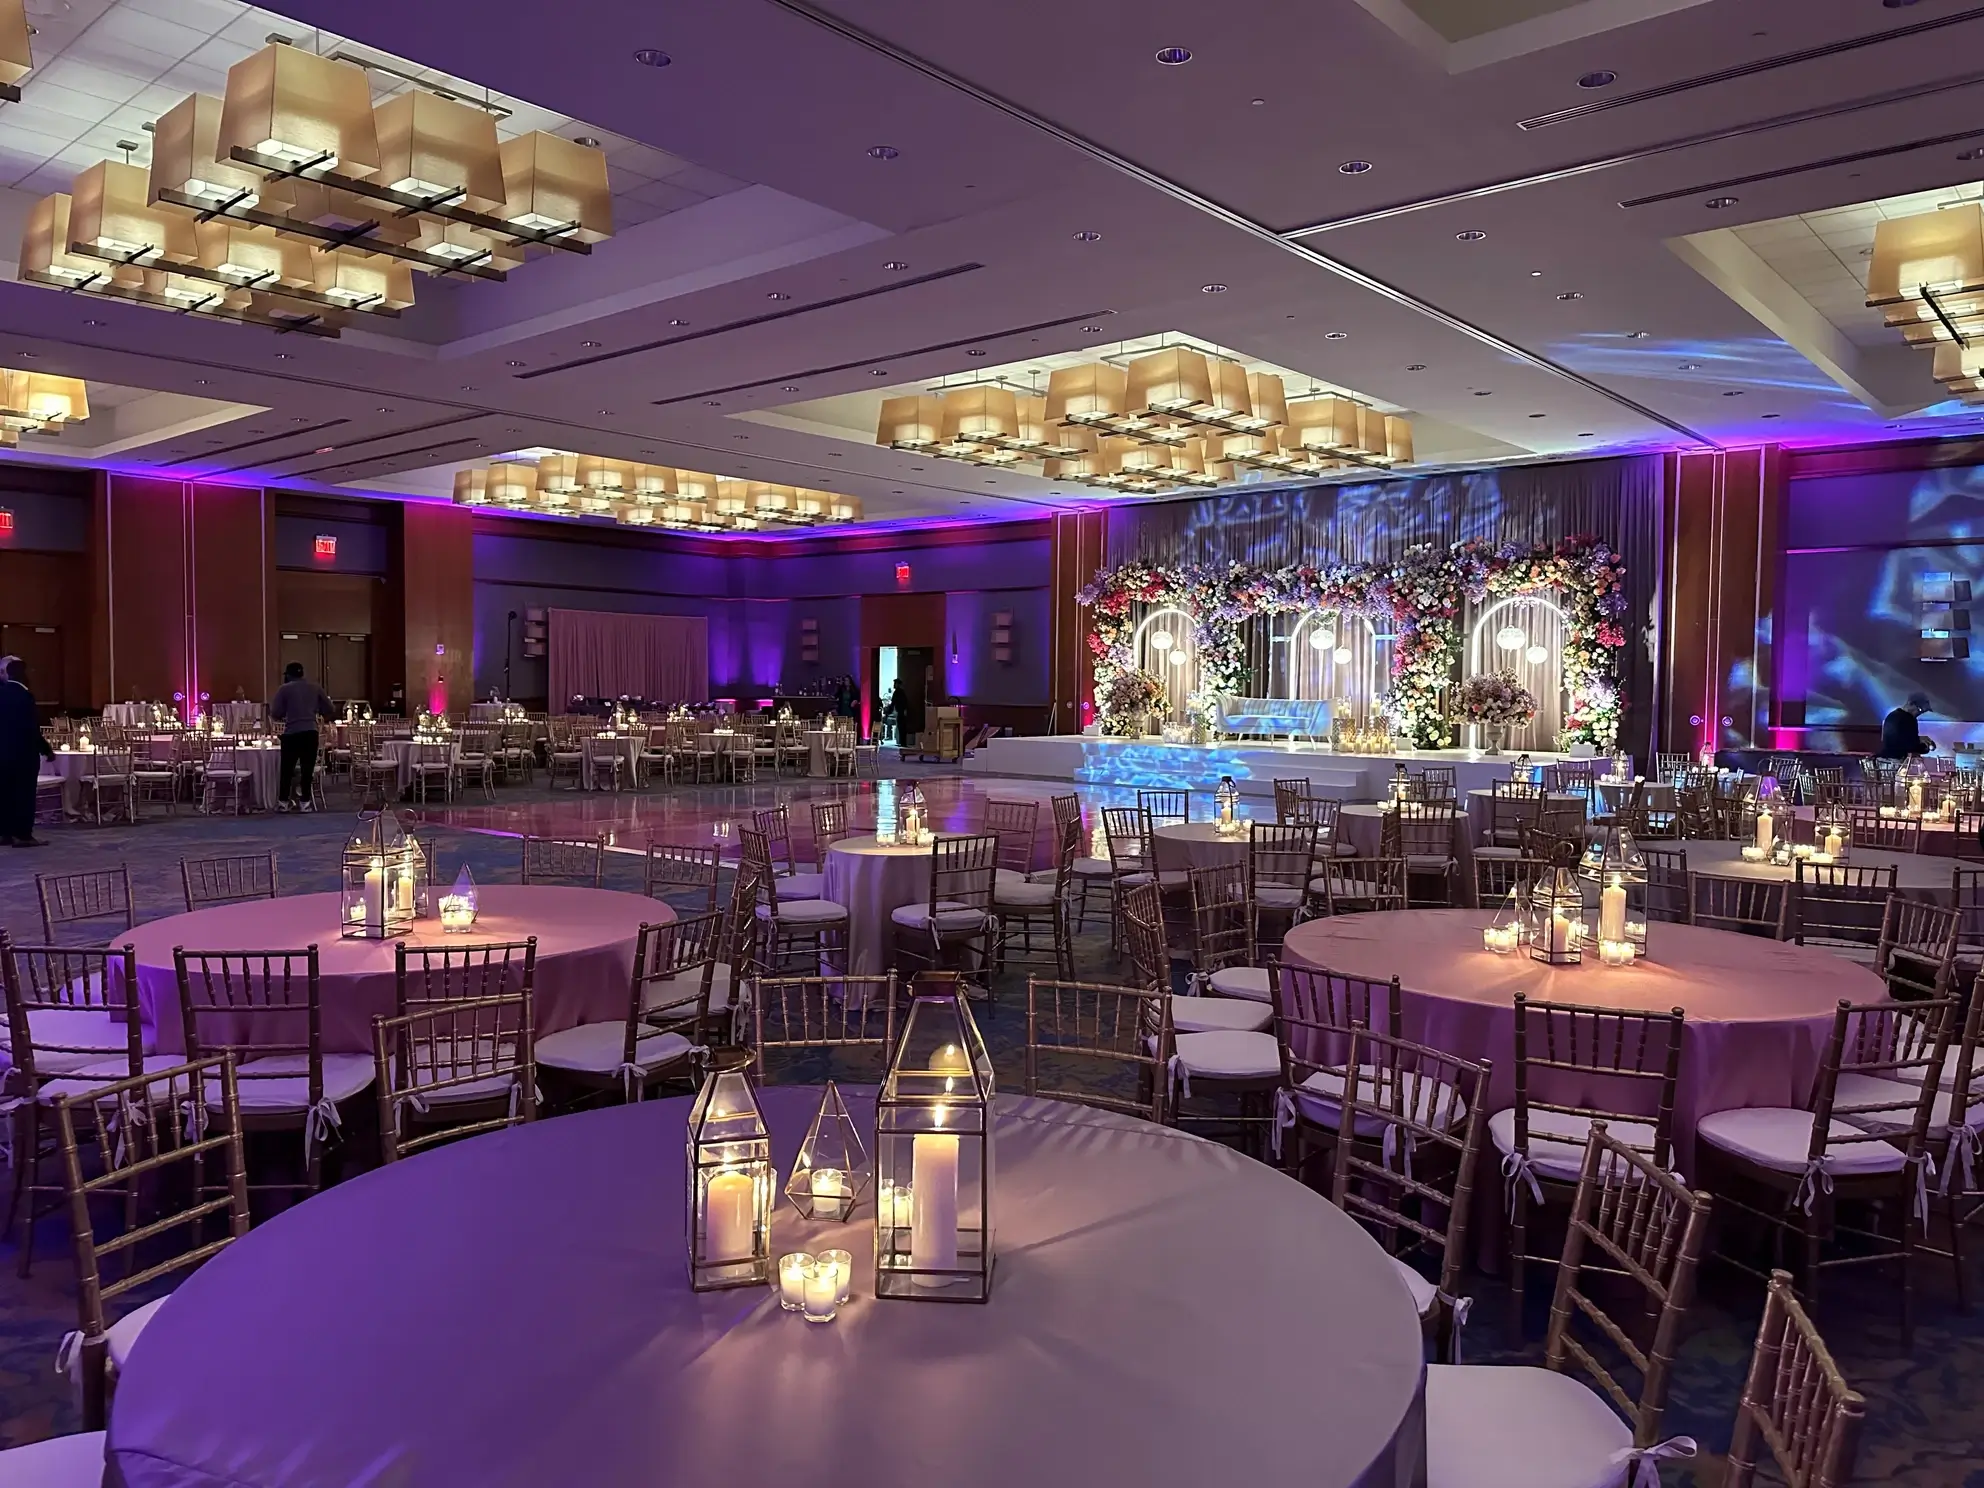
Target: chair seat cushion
801	886
123	1334
1557	1140
1780	1138
1428	862
1210	1014
1889	1113
73	1461
1022	895
1250	982
1320	1097
287	1088
1226	1054
1278	896
668	991
1090	868
1513	1426
1164	880
1350	888
1423	1292
950	919
806	912
106	1071
1491	850
597	1049
91	1033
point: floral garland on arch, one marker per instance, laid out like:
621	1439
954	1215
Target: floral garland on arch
1421	593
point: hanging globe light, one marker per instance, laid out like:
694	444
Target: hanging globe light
1341	656
1511	638
1160	640
1177	658
1536	655
1322	638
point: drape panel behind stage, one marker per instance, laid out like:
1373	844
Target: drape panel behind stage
662	658
1616	500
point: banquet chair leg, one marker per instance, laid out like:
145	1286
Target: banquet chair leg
27	1161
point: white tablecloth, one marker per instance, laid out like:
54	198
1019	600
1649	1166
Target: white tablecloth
627	746
401	753
874	880
266	762
513	1311
1187	845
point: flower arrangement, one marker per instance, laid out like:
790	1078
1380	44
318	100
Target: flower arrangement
1126	699
1495	698
1421	593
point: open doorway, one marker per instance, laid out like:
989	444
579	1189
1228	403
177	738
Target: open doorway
902	690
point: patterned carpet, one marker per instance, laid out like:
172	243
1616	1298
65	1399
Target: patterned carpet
1925	1418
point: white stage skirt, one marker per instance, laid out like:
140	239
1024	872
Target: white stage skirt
1255	767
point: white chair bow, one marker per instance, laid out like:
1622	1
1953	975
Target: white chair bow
1961	1160
1815	1180
1518	1169
321	1123
1284	1117
1642	1463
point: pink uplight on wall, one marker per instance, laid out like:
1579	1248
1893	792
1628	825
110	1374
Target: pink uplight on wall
326	548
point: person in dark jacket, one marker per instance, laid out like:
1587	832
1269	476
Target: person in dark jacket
22	749
297	706
1901	736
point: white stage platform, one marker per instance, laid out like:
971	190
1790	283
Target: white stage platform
1254	766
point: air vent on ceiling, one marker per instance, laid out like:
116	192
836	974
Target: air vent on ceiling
1708	188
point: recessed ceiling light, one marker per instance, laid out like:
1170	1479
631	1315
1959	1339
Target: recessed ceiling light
1536	273
711	403
513	362
1354	167
777	294
1092	329
588	343
883	152
34	356
468	387
652	57
1604	77
974	353
1212	289
790	387
300	419
834	455
1088	235
1717	203
1896	4
606	413
92	322
1976	153
678	322
1570	294
1259	102
878	372
324	449
586	140
1175	56
1415	366
1472	235
1691	366
1336	335
282	356
740	436
1638	335
896	264
202	382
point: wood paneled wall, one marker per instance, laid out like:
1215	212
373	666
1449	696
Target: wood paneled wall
436	577
1724	511
38	588
1078	553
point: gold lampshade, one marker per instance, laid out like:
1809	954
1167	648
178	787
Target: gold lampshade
1068	442
915	422
363	280
1371	440
1958	368
1031	430
844	508
110	213
1258	447
977	415
694	485
679	513
1398	439
472	488
1119	455
1232	394
551	184
634	514
1325	423
337	210
57	400
254	255
770	500
650	484
15	57
512	483
1169	380
1270	399
45	253
557	481
185	147
438	147
1939	251
597	473
595	503
809	505
1089	394
1185	461
292	104
1222	473
460	243
733	498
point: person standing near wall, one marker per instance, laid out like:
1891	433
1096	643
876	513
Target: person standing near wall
1901	735
22	749
297	706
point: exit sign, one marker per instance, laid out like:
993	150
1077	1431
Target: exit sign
902	575
327	547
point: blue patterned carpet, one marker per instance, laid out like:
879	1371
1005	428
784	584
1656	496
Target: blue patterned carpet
1926	1415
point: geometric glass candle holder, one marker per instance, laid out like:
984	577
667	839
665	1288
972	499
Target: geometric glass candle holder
832	1171
934	1155
382	871
1833	835
457	906
1556	909
730	1186
1226	808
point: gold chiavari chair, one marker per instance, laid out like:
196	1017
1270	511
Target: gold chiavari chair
1885	833
1355	885
565	755
790	928
1745	905
1917	955
1565	1055
1421	835
1435	785
228	777
1413	1189
1666	883
668	1031
1014	824
1087	870
1290	798
774	823
1022	906
265	1009
155	772
952	929
1841	906
602	762
1102	1046
677	870
1495	878
1281	859
1165	808
1514	806
229	880
1796	1405
149	1146
564	860
1967	899
1643	1230
1315	1011
830	824
803	1020
99	901
476	761
1224	950
458	1058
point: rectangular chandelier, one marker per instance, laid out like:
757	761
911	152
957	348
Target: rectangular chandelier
563	483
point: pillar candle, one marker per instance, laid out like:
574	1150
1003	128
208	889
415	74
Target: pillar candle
1834	842
1766	833
1915	796
375	895
1612	912
1560	933
933	1209
843	1266
728	1217
821	1291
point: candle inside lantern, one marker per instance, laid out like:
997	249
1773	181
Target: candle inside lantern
933	1213
893	1206
1560	933
728	1217
1766	833
1612	912
403	891
832	1194
1915	797
375	894
792	1271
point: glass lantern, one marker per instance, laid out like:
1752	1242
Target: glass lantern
457	906
1556	912
1401	783
383	871
730	1186
1226	808
933	1155
1615	863
1832	835
913	818
832	1171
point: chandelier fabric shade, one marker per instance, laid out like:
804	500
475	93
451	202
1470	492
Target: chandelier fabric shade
1168	380
512	483
650	484
552	185
1942	252
16	55
770	500
41	401
299	108
186	157
1090	394
363	280
439	147
980	415
733	498
914	422
472	488
46	256
244	254
110	214
597	473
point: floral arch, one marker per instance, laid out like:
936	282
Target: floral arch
1421	593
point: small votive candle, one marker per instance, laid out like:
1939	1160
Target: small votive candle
822	1289
792	1271
1753	854
831	1196
1501	939
1615	953
893	1205
843	1263
1820	859
457	916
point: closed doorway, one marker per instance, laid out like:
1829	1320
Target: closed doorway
338	662
40	650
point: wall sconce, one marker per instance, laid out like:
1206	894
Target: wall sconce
1002	637
809	641
326	547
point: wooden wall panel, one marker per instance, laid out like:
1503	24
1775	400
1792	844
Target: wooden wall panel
148	602
436	575
38	588
312	602
230	570
1078	550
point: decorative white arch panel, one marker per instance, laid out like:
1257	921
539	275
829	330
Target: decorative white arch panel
1163	646
1536	626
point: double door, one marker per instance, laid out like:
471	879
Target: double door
40	650
339	663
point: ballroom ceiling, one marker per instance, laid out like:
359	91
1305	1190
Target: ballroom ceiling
1499	218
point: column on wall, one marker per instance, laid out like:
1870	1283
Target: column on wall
1077	555
1719	584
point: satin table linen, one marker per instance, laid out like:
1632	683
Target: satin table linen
513	1311
1187	845
1758	1011
1917	875
1363	827
585	955
1481	813
873	880
1940	839
400	752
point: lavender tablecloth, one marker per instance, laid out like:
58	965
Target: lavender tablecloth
873	880
1758	1011
1187	845
514	1310
1917	875
585	954
1481	812
1363	827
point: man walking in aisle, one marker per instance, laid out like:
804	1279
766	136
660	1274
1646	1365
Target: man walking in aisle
297	706
22	749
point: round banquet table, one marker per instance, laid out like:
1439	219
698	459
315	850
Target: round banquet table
1759	1011
1186	845
873	880
1363	827
1917	875
515	1310
627	745
585	955
1940	839
1481	811
401	752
